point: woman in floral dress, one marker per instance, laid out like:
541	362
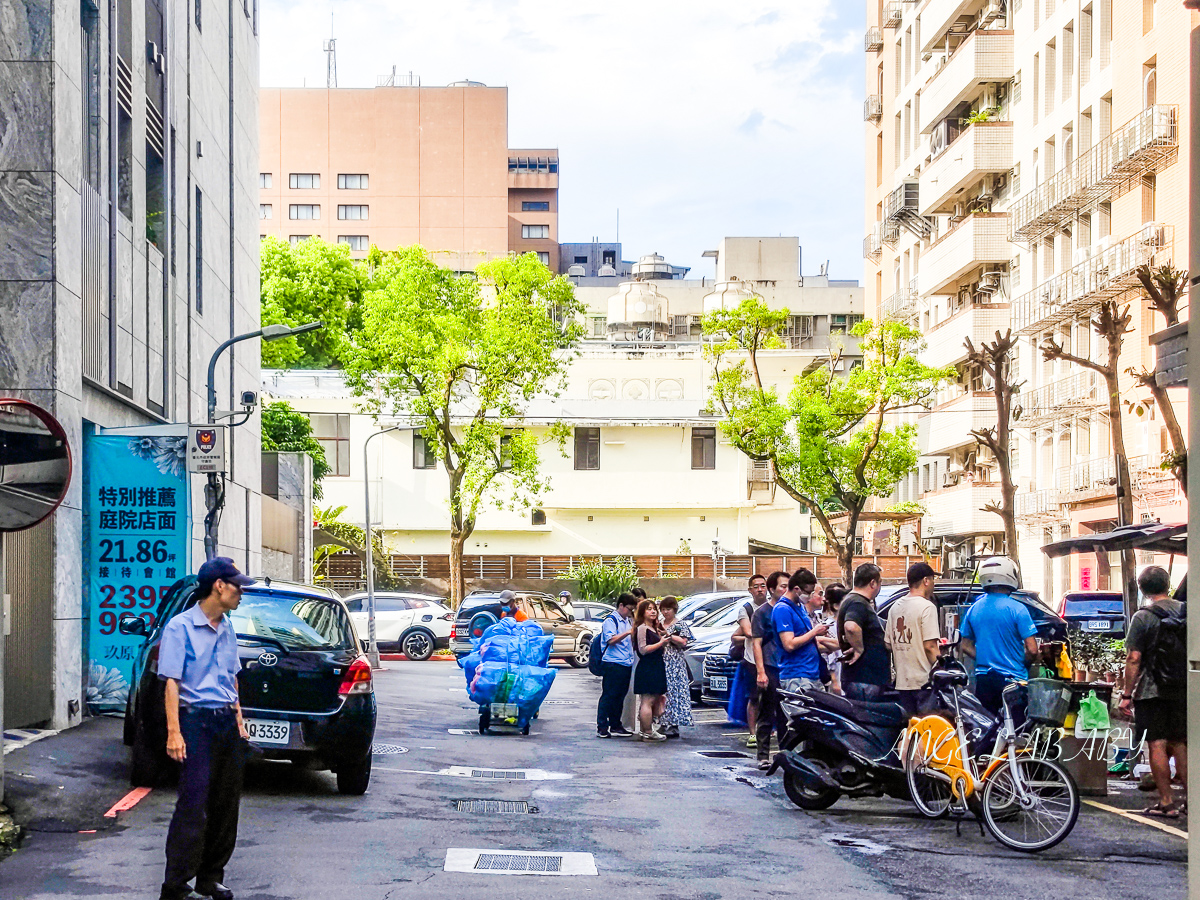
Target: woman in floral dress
679	692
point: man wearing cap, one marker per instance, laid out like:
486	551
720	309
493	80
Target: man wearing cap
913	635
509	608
198	660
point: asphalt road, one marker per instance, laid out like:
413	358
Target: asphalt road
659	820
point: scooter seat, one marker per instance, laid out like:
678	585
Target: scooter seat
888	715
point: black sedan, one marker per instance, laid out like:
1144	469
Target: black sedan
305	686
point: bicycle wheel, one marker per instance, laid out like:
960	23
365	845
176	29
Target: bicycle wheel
930	795
1044	818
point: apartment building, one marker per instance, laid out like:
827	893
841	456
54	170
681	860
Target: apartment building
129	253
647	469
398	165
1023	159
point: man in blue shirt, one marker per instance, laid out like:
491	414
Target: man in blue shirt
799	656
198	660
616	668
999	632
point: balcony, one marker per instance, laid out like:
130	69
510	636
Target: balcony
883	232
892	14
959	510
1145	145
949	425
873	108
982	148
941	16
901	306
986	57
1062	400
1044	504
873	40
1105	272
946	341
979	239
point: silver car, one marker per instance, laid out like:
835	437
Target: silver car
710	632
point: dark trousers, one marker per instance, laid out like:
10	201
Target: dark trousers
768	714
988	688
204	828
615	686
861	690
912	700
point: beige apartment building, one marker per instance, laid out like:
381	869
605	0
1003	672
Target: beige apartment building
397	165
1023	159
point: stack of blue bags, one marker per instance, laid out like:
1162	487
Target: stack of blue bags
510	664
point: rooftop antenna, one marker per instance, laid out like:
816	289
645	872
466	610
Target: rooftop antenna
330	48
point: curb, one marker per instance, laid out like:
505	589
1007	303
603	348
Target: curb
400	657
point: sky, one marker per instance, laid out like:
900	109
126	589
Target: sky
697	120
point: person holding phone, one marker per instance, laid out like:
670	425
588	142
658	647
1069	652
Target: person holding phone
678	710
650	676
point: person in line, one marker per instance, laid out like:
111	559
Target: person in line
866	669
747	670
768	715
1159	695
796	635
198	661
999	632
813	599
639	594
913	636
616	668
510	608
629	706
650	677
829	645
679	690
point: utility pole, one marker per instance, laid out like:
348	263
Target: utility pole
372	643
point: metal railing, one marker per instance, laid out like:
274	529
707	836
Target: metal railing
1038	503
892	14
873	40
1106	273
1103	172
901	306
1062	399
873	108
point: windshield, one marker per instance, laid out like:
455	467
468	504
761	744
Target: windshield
727	615
1093	604
299	623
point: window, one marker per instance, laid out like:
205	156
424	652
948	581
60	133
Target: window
198	28
304	211
424	453
294	239
332	431
581	260
544	257
704	448
199	246
304	182
264	210
352	212
599	326
264	179
535	206
531	232
587	448
609	258
505	452
352	182
356	241
842	323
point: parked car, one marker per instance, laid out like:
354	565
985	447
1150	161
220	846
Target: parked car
956	597
589	611
718	672
710	632
412	624
481	609
695	607
305	686
1095	612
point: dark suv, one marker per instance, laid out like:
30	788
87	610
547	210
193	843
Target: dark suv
956	597
481	609
305	686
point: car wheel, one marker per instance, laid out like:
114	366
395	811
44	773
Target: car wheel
583	653
353	776
417	645
146	764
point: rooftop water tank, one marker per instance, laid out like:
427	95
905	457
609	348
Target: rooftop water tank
635	306
651	268
727	295
576	271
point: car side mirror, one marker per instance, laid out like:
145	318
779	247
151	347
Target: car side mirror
570	618
132	624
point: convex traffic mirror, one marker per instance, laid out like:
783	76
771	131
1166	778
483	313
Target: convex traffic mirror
35	464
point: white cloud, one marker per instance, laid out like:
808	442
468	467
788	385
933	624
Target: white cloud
697	119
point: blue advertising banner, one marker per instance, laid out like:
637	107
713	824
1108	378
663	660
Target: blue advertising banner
136	503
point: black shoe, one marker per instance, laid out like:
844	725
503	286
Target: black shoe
603	734
216	891
190	895
620	731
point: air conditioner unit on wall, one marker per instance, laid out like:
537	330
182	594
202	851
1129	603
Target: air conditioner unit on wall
989	283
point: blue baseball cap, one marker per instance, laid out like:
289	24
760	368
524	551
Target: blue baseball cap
221	568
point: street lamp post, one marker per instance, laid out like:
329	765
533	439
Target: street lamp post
214	491
372	643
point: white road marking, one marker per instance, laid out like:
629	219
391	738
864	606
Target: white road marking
1144	820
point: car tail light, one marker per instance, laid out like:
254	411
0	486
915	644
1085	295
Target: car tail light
357	679
453	631
447	618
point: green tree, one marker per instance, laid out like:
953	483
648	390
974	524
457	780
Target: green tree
460	356
352	538
285	429
831	440
305	282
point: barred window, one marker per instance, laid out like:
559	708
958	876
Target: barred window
304	211
352	182
304	181
352	212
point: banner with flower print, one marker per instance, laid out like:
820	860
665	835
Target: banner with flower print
136	507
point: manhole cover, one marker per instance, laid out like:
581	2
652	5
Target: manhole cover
387	749
722	754
497	773
493	806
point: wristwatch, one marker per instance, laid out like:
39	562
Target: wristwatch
1127	696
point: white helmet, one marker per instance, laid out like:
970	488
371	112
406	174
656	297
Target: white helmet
999	571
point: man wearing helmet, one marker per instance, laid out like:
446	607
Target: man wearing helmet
999	632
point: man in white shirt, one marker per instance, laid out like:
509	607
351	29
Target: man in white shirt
913	635
744	637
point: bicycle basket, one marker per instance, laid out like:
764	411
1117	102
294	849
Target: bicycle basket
1049	700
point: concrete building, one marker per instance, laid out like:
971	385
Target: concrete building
1023	159
647	470
129	252
393	166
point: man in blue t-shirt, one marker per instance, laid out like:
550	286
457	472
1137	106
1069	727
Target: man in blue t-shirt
799	656
999	632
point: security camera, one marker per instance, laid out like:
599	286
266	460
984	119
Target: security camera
249	399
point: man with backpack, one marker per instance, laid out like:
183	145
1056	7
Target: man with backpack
614	651
1156	685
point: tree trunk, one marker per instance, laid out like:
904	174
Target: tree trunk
1124	487
458	540
1174	431
844	551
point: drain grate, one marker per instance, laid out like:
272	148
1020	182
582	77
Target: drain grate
496	773
722	754
518	862
493	806
387	749
560	703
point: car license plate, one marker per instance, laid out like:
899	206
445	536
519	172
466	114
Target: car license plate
1099	625
269	731
718	682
